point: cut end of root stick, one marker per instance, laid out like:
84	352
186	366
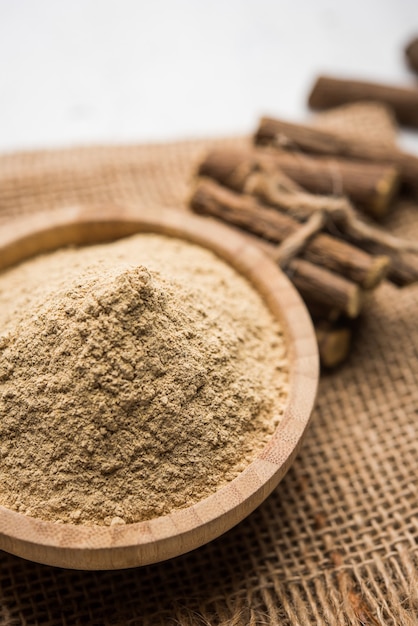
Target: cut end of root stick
333	344
377	272
386	190
355	302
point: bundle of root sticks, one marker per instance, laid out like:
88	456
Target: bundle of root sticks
308	195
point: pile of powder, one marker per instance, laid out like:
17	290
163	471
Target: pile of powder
136	378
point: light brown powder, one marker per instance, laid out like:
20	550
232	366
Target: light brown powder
136	378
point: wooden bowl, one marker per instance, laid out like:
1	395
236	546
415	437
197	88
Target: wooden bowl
103	547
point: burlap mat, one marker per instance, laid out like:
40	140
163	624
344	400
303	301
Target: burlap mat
336	543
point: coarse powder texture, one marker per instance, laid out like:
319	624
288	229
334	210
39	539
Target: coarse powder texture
136	378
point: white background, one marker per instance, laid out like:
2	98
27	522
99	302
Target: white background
97	71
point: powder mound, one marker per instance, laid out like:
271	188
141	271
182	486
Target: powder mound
123	396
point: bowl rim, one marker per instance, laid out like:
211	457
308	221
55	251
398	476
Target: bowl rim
115	547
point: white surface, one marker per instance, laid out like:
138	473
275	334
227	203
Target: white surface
83	71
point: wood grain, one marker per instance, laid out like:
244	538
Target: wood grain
99	547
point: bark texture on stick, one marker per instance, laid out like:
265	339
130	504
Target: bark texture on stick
324	250
329	92
305	138
373	186
321	291
335	291
324	290
403	268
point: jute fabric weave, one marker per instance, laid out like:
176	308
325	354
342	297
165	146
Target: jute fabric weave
336	543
